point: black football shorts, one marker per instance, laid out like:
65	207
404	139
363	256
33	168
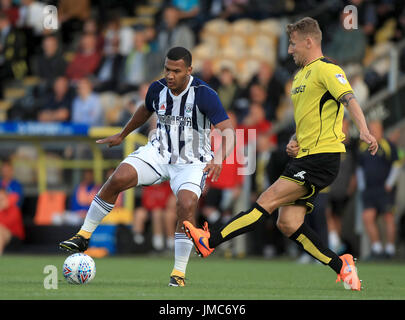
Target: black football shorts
315	172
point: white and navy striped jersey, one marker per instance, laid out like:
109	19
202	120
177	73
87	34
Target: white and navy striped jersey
184	121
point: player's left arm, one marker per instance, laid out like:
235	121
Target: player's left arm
357	115
335	81
227	132
215	112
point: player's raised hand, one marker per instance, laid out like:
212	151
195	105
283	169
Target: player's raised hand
112	141
371	141
214	170
292	148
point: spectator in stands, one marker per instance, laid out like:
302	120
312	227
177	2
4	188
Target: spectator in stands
11	11
11	185
86	60
141	64
367	17
207	74
131	104
50	63
125	34
31	16
266	78
377	176
172	33
259	94
91	26
57	106
11	222
187	9
228	89
72	14
235	9
31	22
344	38
12	53
107	75
159	201
84	193
86	108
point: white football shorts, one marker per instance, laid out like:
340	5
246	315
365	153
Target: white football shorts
152	169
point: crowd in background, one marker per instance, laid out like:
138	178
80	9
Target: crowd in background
95	52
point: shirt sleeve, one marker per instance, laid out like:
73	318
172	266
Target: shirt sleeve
150	95
212	107
333	78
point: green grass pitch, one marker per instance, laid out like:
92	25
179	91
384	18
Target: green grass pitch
146	278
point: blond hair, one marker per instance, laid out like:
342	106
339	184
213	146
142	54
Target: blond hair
306	27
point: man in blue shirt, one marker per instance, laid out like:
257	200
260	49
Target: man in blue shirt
377	176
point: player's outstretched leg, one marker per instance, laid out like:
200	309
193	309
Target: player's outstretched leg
124	177
291	222
280	192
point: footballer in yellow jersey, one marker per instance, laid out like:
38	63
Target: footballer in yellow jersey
320	92
316	92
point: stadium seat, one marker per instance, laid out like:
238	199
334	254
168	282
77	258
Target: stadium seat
272	26
232	40
216	26
50	203
244	27
204	51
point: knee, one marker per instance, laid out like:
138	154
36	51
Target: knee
287	227
117	182
186	207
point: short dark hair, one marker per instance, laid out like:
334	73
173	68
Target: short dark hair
306	26
178	53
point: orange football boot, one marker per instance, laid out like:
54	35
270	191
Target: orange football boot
200	238
348	273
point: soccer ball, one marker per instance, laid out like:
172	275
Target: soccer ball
79	268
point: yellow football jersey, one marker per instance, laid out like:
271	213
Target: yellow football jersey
316	90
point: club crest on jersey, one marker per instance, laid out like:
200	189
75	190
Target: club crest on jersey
341	78
188	109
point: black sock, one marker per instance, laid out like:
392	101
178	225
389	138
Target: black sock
306	238
243	222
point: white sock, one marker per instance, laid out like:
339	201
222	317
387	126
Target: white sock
214	216
334	240
158	242
97	211
377	247
170	243
182	250
390	249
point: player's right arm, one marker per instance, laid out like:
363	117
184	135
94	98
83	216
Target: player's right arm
140	116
